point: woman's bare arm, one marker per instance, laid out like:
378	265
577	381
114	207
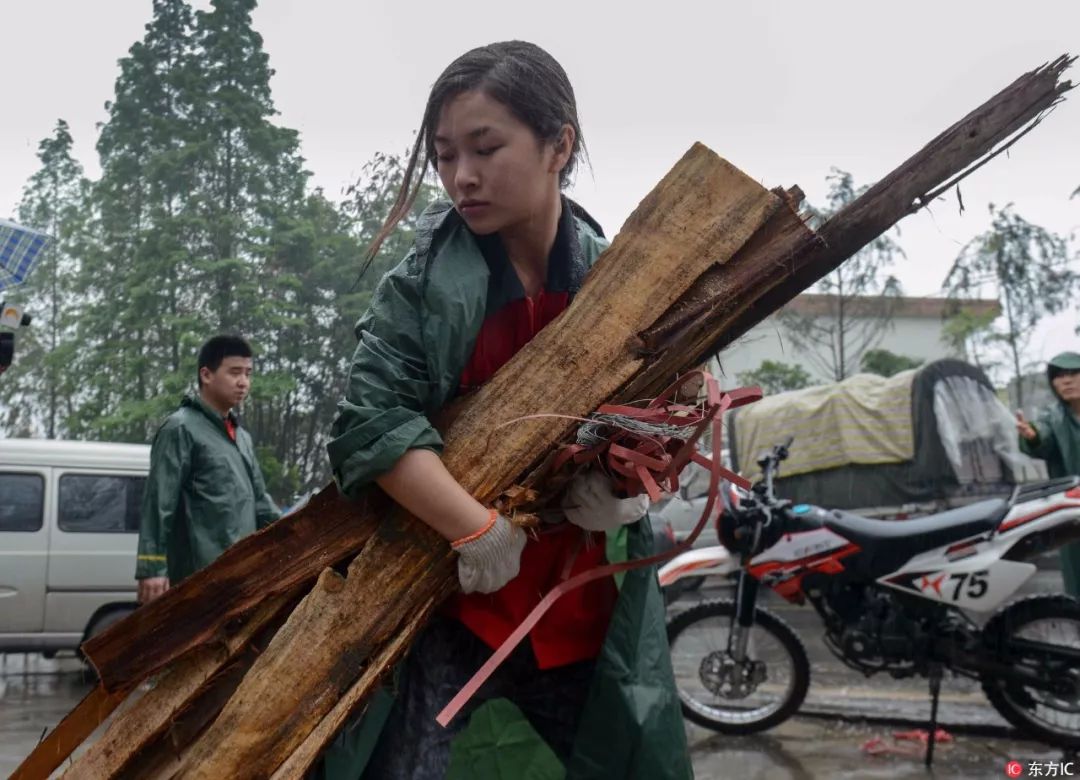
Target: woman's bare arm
420	483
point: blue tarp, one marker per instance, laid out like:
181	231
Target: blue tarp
20	248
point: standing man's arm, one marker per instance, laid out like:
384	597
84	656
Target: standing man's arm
170	468
266	511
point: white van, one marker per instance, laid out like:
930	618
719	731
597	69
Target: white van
69	528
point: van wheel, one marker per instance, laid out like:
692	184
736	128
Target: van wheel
100	622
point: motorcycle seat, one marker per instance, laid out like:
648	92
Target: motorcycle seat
888	544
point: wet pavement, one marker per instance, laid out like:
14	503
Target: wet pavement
35	693
843	711
805	748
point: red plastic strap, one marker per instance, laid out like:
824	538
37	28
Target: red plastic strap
903	739
632	452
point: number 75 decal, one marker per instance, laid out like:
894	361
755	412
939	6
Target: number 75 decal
951	587
974	589
975	581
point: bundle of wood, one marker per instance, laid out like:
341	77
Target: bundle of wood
259	659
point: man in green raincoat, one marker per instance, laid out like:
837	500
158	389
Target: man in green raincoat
1055	438
416	343
205	490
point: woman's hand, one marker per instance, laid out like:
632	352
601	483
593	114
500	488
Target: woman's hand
491	557
489	545
589	503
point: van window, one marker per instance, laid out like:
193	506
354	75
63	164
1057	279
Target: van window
22	497
99	503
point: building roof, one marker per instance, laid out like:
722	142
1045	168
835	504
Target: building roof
73	454
813	304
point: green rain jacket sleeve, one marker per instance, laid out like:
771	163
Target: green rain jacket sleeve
1045	445
266	511
170	467
384	413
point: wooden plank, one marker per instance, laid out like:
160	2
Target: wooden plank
321	650
275	560
76	726
964	146
161	757
791	263
701	212
182	684
304	757
171	626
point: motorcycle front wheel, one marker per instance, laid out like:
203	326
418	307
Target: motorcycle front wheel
729	696
1040	634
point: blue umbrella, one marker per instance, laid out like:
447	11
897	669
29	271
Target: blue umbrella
20	249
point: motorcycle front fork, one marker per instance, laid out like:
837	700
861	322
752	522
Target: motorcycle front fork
746	591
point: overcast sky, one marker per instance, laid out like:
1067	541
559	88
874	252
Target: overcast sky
785	91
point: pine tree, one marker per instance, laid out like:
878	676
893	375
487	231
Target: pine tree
135	333
36	390
202	222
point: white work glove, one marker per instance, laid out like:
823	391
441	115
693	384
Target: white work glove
589	503
490	559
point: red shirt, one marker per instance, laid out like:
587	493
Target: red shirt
573	629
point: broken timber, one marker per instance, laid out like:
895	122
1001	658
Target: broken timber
700	213
719	287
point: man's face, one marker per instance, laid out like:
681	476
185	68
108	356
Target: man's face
1067	386
229	385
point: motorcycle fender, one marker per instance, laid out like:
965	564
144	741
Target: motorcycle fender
704	562
980	583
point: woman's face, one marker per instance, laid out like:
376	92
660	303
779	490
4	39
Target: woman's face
494	168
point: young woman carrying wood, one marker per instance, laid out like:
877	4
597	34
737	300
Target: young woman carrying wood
592	692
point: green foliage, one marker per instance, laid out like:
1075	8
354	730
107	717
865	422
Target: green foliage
35	392
1027	268
774	377
885	363
201	222
965	332
860	300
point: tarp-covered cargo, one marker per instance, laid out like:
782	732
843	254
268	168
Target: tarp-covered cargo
930	435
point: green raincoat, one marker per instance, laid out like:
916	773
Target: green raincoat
203	493
1058	443
414	344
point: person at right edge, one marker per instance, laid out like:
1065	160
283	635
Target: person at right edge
590	693
1055	438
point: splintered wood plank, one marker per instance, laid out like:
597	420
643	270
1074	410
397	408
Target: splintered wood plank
148	718
320	651
275	560
699	214
76	726
302	759
729	298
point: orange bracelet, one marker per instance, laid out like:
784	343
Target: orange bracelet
492	517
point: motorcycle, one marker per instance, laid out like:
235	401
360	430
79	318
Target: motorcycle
905	598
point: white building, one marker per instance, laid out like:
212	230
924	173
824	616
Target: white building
915	330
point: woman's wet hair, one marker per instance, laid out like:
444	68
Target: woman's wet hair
521	76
